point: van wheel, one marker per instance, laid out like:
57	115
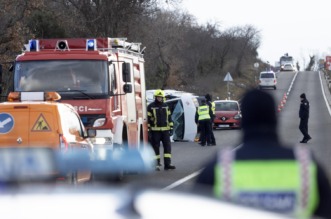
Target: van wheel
275	87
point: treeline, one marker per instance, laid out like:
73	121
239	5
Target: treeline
180	53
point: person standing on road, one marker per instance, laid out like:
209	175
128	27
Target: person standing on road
264	173
160	128
203	119
304	116
211	104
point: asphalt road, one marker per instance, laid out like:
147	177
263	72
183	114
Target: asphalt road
314	85
189	157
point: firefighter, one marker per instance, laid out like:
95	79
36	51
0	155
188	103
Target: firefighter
211	104
203	119
160	127
263	172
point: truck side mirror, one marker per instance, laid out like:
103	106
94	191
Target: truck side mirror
126	72
127	88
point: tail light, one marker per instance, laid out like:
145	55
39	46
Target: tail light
63	143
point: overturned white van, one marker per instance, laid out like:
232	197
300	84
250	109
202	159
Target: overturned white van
183	110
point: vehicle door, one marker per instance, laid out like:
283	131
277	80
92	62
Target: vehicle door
14	127
43	127
73	129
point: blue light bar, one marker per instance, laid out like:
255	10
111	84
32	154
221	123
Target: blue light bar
91	45
33	45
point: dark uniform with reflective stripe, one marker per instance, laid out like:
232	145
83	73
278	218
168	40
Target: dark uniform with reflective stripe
211	104
160	124
304	116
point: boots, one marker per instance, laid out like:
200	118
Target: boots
167	164
158	166
169	167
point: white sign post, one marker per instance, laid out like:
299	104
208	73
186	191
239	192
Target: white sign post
228	78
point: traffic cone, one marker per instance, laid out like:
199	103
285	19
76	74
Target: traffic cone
279	108
281	104
285	96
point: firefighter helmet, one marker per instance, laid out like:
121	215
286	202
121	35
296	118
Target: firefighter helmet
159	93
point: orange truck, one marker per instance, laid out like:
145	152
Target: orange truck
35	119
103	78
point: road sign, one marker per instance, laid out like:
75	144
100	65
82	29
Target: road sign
6	123
256	65
228	77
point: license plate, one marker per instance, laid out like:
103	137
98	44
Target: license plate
223	126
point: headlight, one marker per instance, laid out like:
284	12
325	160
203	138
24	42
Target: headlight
99	122
237	116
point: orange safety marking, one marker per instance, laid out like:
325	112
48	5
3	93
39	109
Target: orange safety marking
41	125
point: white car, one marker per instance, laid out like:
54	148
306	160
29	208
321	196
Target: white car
268	79
288	67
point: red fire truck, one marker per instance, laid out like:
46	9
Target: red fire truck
102	78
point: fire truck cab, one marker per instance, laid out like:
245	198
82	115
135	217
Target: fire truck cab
102	78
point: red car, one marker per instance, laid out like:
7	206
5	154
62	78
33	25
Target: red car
227	114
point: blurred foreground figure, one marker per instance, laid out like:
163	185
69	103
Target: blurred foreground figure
263	173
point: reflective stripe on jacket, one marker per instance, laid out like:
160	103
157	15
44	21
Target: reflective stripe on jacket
203	112
284	186
159	117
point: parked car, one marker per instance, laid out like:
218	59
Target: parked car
227	114
268	79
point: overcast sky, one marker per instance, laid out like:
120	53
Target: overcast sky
297	27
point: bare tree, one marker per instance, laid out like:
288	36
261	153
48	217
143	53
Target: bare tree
13	33
311	63
248	41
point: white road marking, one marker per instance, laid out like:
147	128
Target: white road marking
183	180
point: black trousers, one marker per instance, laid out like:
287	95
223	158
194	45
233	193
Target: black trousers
212	136
304	128
205	131
164	137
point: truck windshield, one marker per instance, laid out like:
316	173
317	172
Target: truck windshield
88	76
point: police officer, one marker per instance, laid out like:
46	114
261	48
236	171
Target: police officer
211	104
160	128
264	173
203	119
304	116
